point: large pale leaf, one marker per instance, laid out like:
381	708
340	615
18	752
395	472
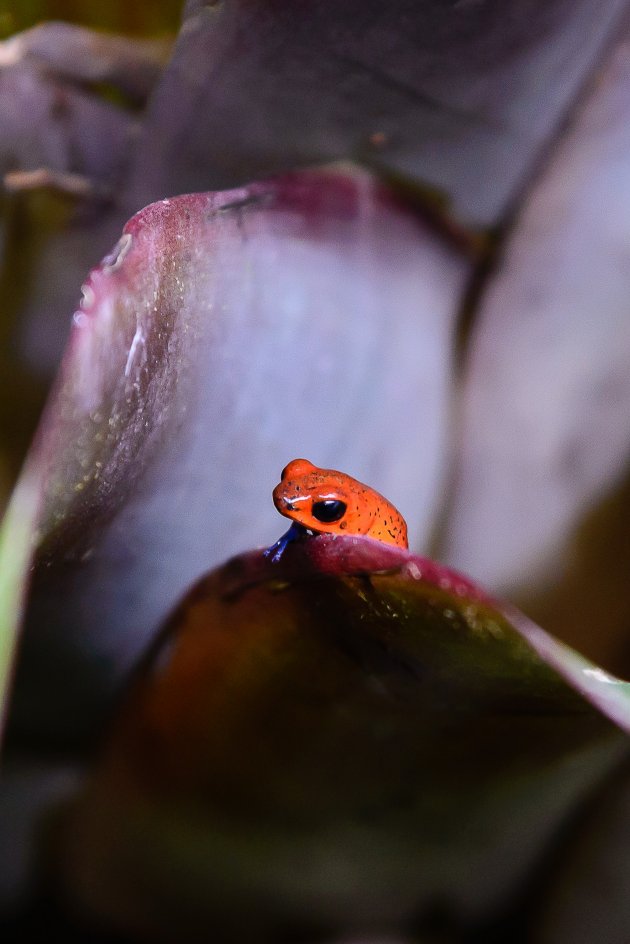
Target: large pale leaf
225	334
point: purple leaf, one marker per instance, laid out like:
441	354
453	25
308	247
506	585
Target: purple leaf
79	54
458	97
545	431
224	335
45	123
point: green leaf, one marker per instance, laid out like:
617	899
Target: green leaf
16	545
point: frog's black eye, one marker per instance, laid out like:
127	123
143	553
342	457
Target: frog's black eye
329	510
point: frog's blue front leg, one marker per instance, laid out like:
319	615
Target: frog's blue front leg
276	550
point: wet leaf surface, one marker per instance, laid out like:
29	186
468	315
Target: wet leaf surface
336	743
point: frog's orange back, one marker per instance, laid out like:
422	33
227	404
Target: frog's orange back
332	502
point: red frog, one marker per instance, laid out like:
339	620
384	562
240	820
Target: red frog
331	502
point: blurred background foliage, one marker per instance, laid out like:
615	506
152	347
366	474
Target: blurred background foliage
135	19
30	219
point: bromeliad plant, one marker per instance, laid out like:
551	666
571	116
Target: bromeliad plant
350	739
332	742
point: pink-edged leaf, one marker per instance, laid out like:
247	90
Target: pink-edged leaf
225	334
336	743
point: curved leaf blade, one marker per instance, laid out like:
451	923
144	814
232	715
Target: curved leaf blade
441	96
224	334
332	745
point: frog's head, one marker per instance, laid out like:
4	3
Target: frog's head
321	500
